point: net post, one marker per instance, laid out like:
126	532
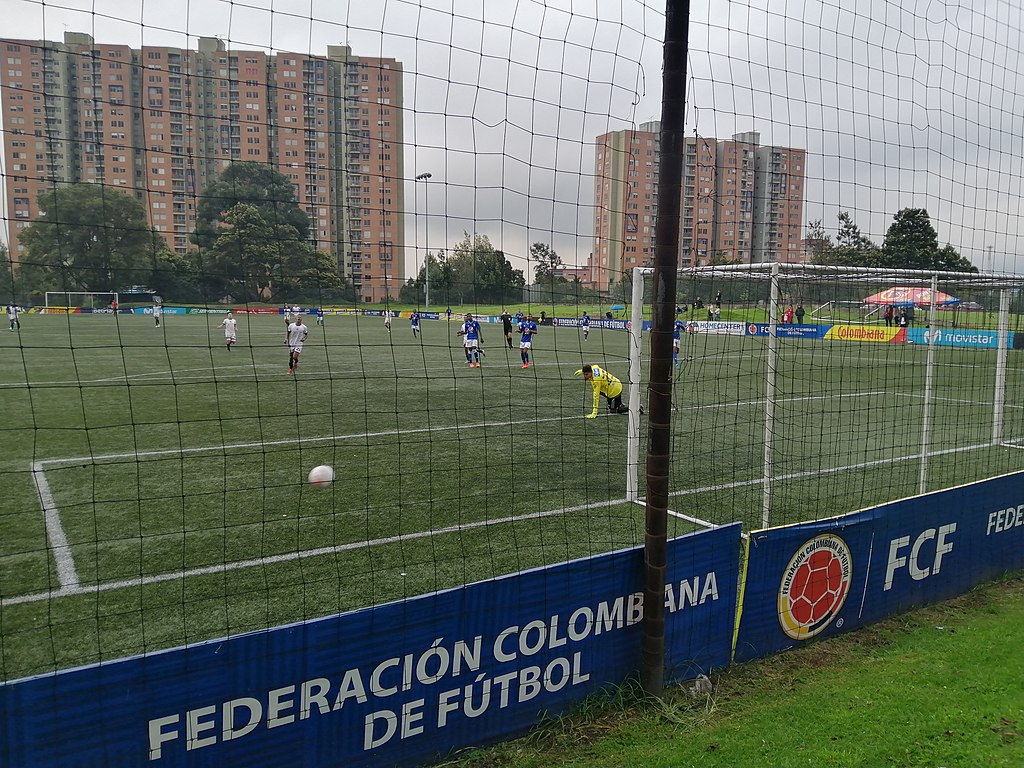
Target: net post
999	399
929	375
633	427
768	468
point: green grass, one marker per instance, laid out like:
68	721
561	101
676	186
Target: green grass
938	687
177	469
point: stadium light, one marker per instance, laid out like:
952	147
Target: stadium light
425	177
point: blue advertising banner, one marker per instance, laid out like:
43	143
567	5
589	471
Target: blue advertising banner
952	337
786	330
396	684
821	578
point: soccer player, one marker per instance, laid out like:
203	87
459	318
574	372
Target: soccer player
677	336
387	319
471	331
528	328
319	315
414	323
604	384
228	324
506	327
12	316
157	312
297	333
585	324
520	317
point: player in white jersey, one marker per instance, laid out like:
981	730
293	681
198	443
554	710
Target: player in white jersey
387	319
297	333
228	324
12	316
157	313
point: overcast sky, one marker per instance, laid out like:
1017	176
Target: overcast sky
900	103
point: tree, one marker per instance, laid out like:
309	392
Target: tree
852	248
90	238
546	263
7	289
254	259
819	243
477	273
912	243
255	184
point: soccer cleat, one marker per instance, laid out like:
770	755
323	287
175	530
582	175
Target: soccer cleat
526	365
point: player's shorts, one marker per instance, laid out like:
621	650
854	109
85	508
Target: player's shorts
296	348
471	343
525	344
675	344
229	337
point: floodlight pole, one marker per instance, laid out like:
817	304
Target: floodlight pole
425	178
659	420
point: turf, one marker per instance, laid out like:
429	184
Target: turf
176	468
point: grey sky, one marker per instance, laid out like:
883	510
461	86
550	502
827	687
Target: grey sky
900	104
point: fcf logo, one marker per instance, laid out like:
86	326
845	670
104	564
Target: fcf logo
814	586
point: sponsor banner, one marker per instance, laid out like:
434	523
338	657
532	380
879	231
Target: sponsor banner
957	338
342	311
818	579
251	311
373	312
57	310
866	333
788	330
720	327
201	310
398	684
615	325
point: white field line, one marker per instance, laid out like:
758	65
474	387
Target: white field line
67	591
54	530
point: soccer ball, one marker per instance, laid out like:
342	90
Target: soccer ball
321	477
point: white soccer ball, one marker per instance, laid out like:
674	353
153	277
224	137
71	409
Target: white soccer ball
321	477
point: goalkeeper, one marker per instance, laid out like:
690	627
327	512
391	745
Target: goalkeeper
605	384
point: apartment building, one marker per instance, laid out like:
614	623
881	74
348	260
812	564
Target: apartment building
740	201
162	123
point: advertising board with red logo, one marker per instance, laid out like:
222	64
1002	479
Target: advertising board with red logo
817	579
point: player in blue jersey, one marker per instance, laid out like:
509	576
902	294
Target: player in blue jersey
414	323
528	328
677	336
585	324
470	330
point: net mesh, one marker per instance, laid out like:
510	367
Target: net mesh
241	171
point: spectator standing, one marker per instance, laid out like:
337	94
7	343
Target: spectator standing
800	314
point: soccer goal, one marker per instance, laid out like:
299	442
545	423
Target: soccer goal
80	299
780	416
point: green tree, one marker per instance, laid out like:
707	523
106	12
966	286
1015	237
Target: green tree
254	259
852	248
476	273
7	287
911	242
90	238
255	184
819	242
546	263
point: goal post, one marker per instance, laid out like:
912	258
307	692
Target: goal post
81	299
811	381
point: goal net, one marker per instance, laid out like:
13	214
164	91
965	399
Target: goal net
781	415
80	299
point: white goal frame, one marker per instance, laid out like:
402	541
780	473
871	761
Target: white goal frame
772	272
111	296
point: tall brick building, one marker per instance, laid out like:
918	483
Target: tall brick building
741	202
161	123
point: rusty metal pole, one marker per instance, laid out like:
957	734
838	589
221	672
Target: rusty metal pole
666	264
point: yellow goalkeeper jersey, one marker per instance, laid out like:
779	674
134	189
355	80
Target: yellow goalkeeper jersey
604	384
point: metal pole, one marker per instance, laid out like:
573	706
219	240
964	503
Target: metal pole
425	178
929	375
1000	394
666	264
633	427
768	470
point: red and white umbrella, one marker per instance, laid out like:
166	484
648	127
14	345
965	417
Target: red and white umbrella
909	297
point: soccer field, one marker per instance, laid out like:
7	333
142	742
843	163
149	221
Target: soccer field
156	481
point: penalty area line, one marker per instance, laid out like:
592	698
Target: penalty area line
68	590
62	556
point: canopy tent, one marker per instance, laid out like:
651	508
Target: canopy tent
909	297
